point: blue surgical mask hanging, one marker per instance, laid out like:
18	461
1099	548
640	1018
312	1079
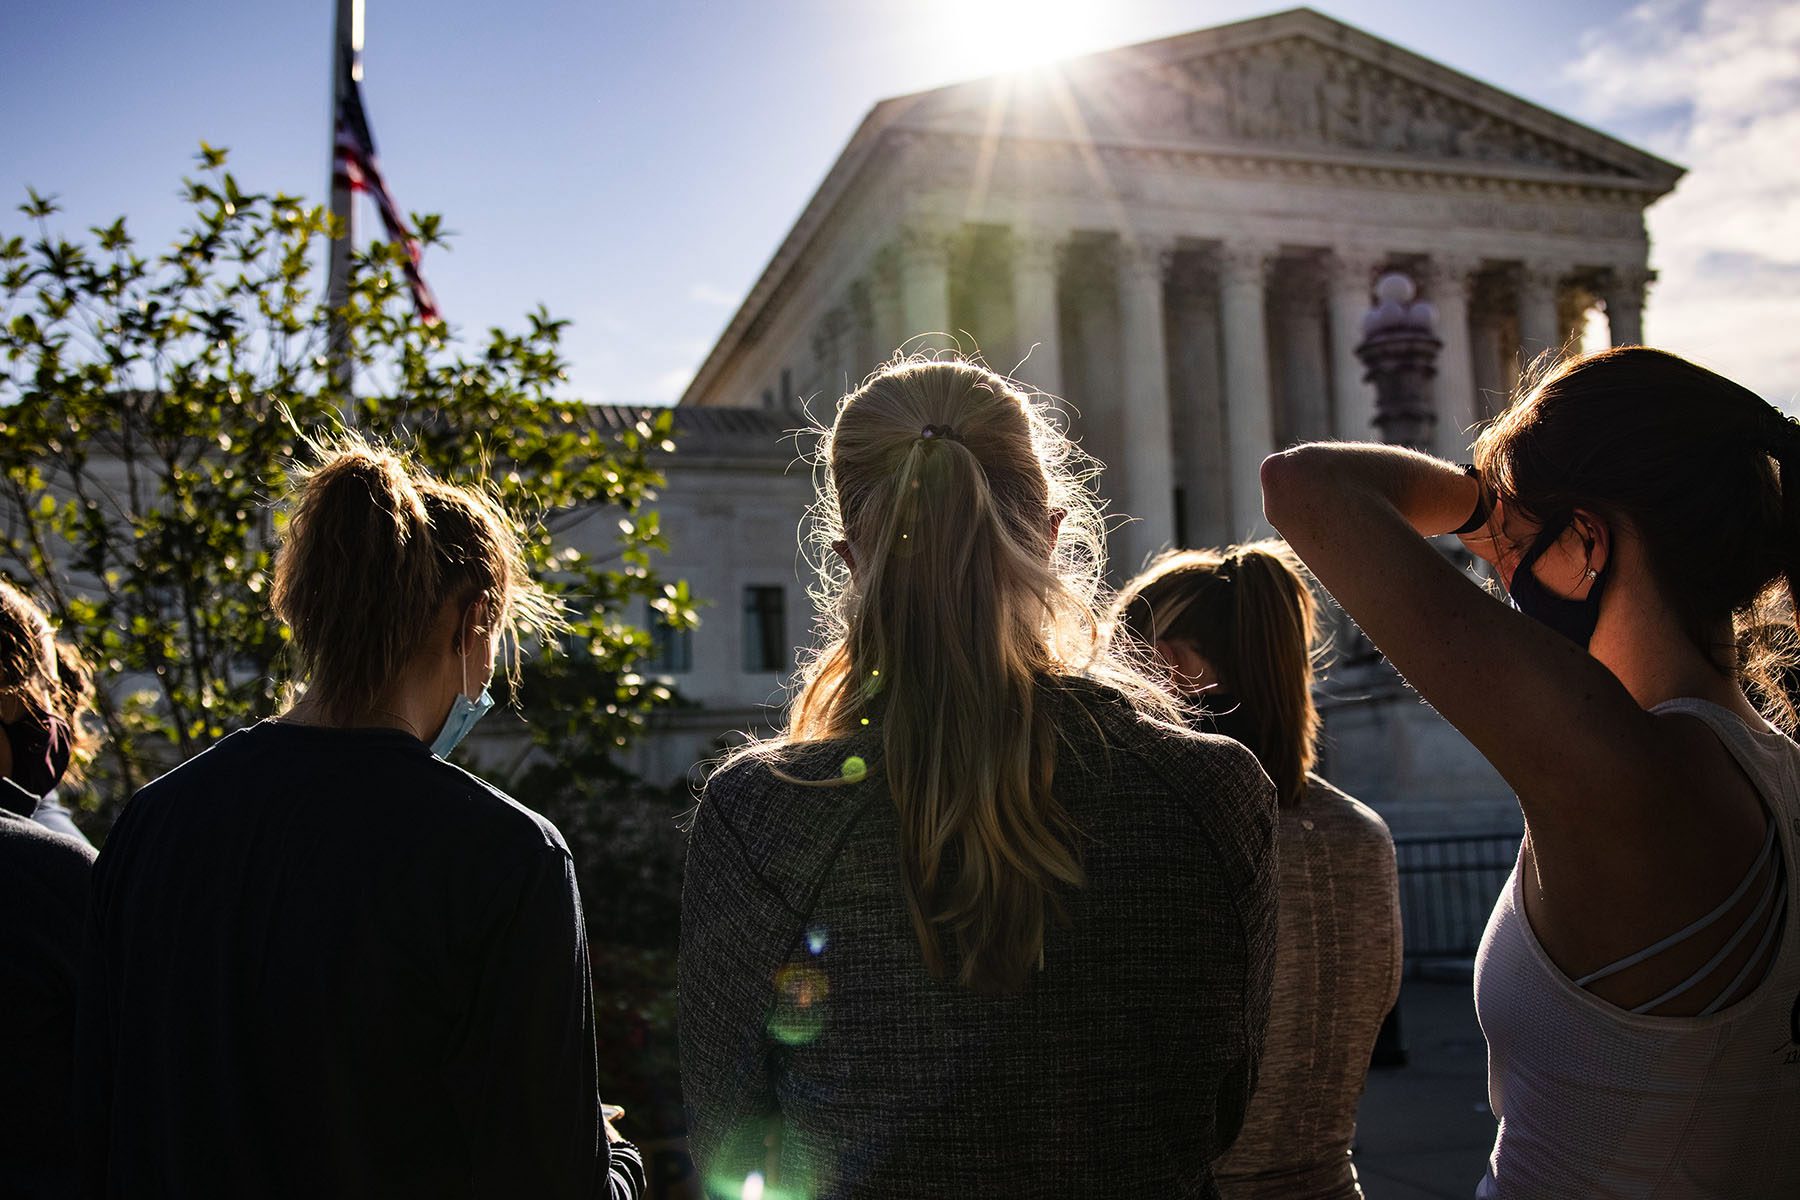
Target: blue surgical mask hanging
1574	619
464	713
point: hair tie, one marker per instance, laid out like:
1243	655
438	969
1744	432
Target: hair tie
933	432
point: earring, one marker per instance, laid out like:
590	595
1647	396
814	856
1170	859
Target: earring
1592	574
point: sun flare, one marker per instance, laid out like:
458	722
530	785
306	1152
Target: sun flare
997	36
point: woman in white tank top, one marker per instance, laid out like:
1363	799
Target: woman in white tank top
1639	982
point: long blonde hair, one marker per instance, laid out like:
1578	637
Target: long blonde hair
1249	612
945	483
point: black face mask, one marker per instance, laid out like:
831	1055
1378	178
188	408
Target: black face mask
1574	619
40	751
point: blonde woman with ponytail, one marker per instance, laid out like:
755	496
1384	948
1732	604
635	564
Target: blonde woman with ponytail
1237	630
324	961
983	921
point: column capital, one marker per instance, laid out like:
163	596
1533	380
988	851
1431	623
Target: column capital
833	325
1352	266
1542	274
1245	262
1626	283
923	242
1037	248
882	279
1146	254
1449	273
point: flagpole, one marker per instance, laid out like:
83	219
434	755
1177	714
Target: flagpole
346	70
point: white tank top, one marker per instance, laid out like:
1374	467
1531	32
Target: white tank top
1596	1102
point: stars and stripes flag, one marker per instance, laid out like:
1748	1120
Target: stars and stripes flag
354	163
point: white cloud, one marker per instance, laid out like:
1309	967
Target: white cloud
713	294
1715	86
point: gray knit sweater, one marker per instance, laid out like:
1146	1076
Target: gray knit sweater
816	1050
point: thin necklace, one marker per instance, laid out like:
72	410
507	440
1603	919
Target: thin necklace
410	727
288	718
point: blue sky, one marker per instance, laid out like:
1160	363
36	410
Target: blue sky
632	164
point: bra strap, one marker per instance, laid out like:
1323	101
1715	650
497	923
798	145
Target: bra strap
1682	936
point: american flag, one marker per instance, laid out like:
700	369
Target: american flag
354	163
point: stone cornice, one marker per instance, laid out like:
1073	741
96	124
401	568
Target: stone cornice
1232	160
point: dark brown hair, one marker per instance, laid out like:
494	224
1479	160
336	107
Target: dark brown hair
61	684
1696	465
374	548
1249	612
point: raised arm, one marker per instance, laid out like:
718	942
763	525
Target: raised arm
1562	730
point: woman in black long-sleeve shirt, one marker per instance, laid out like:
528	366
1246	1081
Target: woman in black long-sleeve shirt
322	960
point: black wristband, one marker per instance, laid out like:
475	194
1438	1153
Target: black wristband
1479	517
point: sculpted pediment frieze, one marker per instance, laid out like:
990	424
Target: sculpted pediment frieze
1294	94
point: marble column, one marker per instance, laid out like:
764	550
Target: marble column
1149	489
1449	285
1539	326
1202	469
885	317
859	354
1623	293
924	261
1492	381
1036	320
1350	280
1249	428
828	376
1304	411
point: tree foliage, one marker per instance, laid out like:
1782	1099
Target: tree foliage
152	407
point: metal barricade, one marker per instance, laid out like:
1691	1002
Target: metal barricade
1448	886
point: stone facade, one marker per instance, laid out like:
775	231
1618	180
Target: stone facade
1180	239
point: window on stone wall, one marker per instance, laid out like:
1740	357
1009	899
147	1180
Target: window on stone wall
673	649
765	629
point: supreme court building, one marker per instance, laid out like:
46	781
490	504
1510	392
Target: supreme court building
1180	239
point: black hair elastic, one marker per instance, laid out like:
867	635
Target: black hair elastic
931	432
1479	517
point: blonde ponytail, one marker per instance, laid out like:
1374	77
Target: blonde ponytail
948	486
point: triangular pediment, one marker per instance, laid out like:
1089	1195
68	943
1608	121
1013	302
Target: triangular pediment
1296	83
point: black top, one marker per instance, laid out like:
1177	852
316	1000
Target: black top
809	1024
324	962
43	895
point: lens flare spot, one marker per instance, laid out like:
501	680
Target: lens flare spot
753	1186
865	720
854	767
799	1016
816	939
